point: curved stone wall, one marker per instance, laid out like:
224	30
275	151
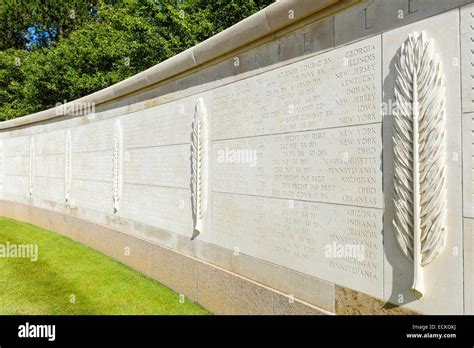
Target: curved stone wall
254	173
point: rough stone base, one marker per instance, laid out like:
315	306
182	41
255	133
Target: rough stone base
351	302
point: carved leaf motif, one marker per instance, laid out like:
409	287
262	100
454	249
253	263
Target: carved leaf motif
419	155
32	166
68	166
199	165
117	165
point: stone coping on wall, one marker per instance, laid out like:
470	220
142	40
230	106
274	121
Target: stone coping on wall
306	40
266	22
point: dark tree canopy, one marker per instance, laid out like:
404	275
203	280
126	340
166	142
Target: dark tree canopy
56	50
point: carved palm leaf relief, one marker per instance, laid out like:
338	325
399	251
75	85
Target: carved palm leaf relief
117	165
68	167
419	155
31	177
199	165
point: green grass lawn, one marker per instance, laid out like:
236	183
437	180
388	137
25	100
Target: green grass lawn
70	278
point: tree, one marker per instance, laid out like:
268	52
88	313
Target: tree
66	60
42	23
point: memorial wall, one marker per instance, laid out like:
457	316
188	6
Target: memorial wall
329	161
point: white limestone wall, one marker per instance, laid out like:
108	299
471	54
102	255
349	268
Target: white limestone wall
156	167
316	130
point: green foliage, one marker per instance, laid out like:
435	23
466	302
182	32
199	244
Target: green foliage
43	21
109	42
